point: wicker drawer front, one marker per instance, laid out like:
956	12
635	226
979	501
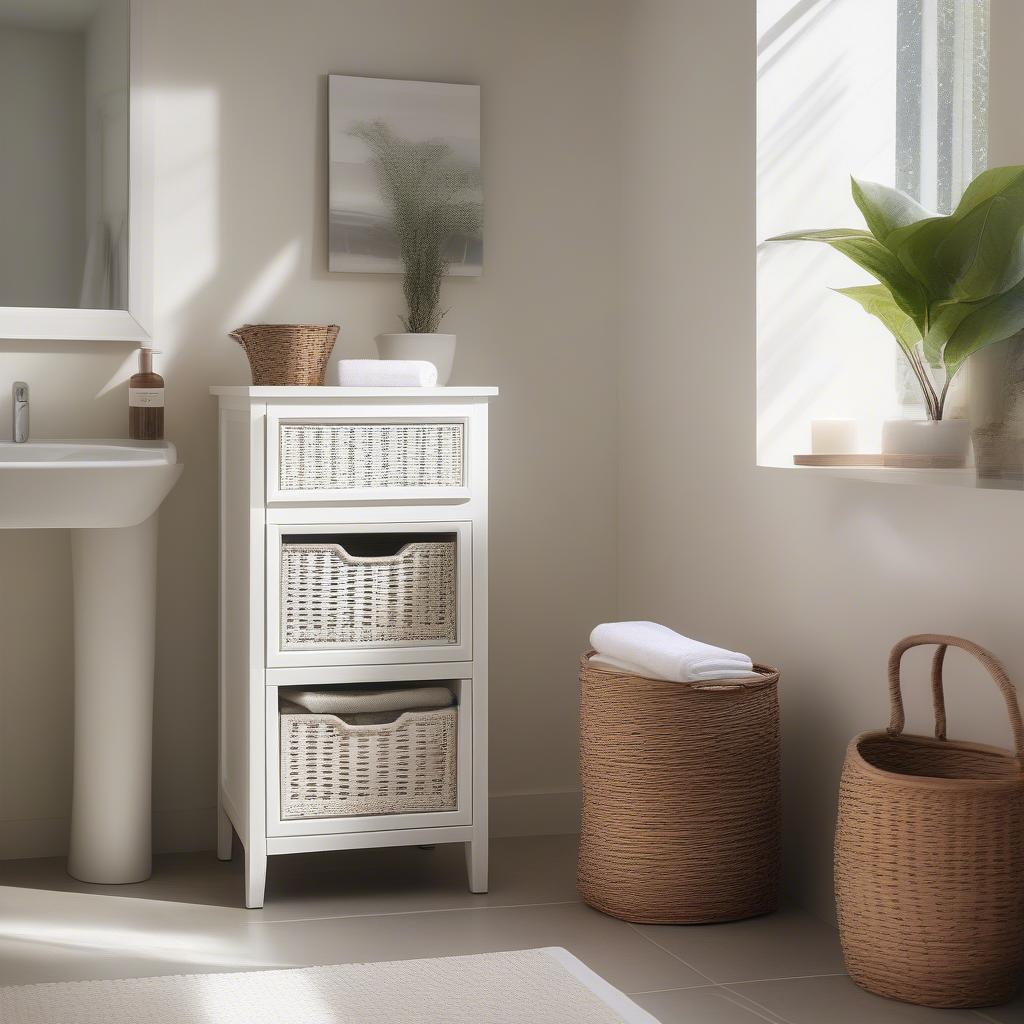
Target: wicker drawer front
332	599
331	769
363	456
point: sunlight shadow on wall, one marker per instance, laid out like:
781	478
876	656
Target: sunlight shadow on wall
266	286
188	243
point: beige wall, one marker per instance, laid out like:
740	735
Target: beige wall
240	194
818	576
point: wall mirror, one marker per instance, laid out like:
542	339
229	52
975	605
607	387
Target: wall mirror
74	232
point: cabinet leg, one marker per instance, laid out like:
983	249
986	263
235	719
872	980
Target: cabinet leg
476	864
255	878
225	834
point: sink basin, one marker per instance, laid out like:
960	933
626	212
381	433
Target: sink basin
75	484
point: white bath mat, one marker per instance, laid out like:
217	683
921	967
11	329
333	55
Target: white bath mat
533	986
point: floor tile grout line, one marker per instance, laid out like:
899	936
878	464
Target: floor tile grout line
644	935
755	1009
767	1009
786	977
675	988
408	913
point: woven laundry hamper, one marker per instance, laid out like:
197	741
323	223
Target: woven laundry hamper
929	855
681	797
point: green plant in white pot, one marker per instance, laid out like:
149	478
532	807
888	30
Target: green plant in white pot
947	287
433	198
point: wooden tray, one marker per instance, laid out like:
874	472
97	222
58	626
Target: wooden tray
852	459
848	459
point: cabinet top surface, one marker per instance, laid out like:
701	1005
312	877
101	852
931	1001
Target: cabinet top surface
336	393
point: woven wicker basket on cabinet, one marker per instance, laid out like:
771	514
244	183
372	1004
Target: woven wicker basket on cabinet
929	855
681	797
347	456
330	598
330	768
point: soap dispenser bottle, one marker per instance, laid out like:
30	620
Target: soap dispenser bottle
146	401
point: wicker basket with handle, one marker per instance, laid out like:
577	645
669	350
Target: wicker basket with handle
929	854
681	797
287	355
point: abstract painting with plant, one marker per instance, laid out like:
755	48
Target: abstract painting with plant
433	198
947	286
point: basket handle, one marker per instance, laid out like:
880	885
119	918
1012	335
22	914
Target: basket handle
897	718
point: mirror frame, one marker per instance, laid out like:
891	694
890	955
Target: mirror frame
134	324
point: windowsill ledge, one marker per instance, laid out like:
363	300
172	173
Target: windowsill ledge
879	474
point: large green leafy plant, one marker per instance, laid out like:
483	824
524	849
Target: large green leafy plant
947	286
432	197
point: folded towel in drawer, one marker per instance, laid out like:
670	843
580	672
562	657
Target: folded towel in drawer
353	718
354	702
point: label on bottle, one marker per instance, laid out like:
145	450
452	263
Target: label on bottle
145	398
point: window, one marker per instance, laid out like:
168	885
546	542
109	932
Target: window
941	125
941	98
889	90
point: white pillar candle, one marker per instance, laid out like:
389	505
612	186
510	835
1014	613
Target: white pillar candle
833	437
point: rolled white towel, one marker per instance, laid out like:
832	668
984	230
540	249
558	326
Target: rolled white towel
386	373
660	653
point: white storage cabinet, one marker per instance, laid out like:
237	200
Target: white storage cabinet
353	553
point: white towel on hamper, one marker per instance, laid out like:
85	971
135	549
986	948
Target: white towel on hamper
386	373
624	667
648	649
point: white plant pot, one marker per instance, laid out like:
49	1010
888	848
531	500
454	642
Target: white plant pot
947	441
438	349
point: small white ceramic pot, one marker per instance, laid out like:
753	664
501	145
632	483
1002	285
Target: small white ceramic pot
946	440
438	349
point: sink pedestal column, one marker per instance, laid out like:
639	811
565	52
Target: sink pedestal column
114	574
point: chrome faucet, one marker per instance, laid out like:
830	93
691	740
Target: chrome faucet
19	411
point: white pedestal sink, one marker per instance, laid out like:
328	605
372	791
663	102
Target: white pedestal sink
107	493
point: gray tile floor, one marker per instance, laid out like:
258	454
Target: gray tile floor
396	904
